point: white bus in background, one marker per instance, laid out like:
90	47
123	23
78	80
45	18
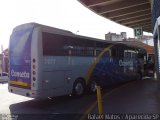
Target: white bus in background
47	62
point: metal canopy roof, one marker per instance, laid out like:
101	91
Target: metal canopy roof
130	13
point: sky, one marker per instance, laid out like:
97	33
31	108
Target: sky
65	14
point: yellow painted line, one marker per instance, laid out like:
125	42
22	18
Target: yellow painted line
88	75
18	83
93	105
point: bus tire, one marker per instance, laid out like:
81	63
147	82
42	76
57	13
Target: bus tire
78	87
92	88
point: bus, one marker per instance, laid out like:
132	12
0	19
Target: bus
149	59
47	62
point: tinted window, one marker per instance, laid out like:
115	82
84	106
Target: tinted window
60	45
120	52
78	46
100	46
113	52
54	44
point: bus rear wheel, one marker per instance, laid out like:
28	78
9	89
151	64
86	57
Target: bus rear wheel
93	86
78	87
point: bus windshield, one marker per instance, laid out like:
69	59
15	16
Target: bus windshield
20	58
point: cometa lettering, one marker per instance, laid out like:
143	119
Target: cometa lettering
20	74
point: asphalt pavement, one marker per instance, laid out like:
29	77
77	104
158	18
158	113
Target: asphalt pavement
140	97
136	97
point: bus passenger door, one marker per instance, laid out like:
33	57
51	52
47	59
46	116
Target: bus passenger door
129	64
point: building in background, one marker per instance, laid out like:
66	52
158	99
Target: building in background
116	37
143	41
147	39
123	37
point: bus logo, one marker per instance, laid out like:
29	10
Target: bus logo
20	74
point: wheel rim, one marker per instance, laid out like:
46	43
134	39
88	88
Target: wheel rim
79	89
93	86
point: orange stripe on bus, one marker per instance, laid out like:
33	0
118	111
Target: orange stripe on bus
19	83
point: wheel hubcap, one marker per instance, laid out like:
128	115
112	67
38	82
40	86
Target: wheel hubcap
79	89
93	86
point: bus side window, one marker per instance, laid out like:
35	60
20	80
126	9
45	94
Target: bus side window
150	59
99	47
113	52
107	54
53	44
140	56
120	52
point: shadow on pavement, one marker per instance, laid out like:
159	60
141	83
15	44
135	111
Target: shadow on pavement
140	97
132	97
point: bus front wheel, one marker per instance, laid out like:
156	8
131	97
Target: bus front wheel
92	86
78	87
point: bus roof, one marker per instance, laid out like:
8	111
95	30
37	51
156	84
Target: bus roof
57	31
68	33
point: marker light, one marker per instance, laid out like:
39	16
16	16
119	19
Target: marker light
34	72
34	79
34	60
34	66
